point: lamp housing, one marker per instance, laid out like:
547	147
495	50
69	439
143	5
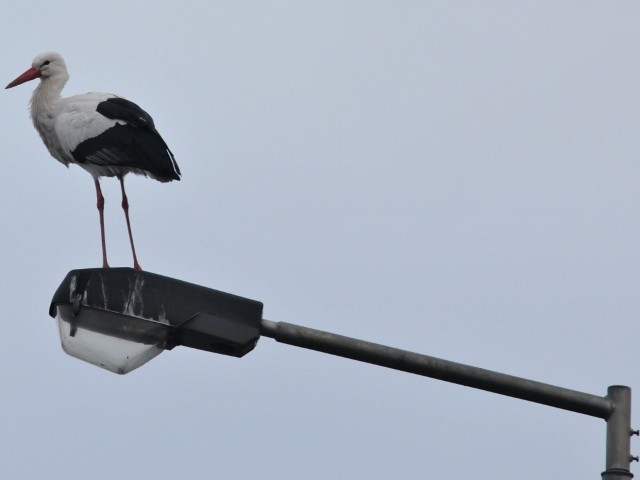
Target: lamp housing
120	318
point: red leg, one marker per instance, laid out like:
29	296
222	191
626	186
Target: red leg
125	207
100	206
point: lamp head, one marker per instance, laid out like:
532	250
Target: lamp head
120	318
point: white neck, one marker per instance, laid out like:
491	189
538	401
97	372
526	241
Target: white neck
46	94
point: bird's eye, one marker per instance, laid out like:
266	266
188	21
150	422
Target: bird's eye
45	63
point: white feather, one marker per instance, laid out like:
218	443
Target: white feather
76	120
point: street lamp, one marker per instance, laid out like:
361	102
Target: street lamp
120	318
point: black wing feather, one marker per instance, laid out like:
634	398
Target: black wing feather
123	109
135	144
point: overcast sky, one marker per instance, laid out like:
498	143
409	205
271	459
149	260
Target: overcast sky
460	179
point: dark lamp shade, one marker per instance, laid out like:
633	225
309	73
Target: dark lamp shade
120	318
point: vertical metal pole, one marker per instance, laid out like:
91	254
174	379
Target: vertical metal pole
619	435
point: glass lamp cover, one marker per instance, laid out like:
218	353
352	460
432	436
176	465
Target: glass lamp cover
110	340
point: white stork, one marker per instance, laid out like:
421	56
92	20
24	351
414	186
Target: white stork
105	134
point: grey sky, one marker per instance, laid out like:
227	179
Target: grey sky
454	178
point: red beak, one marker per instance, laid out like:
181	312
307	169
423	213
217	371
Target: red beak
25	77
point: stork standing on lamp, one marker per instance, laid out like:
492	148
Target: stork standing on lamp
106	135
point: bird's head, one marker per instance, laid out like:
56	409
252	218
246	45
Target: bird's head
46	65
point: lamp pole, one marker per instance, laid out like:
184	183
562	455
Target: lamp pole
120	318
615	407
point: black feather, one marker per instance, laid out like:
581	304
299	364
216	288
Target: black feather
122	109
133	143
